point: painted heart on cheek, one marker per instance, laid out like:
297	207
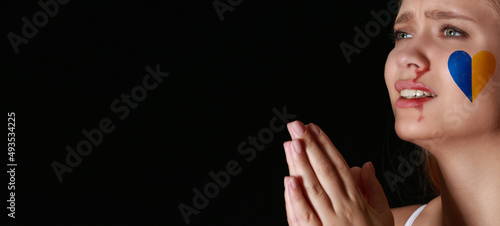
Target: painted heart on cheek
471	74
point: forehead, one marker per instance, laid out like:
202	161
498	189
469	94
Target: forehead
433	9
434	14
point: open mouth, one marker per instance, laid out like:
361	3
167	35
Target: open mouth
414	93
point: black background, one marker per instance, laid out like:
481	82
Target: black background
225	79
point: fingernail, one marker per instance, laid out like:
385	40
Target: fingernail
286	145
292	182
315	129
296	146
372	168
298	128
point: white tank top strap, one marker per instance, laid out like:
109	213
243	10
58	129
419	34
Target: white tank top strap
414	216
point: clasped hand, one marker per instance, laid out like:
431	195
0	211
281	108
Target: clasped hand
323	190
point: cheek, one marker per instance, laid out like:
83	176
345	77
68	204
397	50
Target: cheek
390	74
448	90
458	116
451	91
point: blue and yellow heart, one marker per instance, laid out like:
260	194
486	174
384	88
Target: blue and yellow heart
471	74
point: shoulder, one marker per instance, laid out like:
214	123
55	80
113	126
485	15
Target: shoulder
401	214
429	216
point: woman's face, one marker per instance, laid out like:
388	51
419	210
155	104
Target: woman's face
427	32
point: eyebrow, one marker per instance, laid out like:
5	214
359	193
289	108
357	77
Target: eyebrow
445	15
404	17
432	14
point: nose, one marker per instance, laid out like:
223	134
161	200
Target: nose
414	57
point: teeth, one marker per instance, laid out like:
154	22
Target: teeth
413	93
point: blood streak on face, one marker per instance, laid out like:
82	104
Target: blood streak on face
419	74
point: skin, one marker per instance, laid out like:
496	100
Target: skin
463	136
322	189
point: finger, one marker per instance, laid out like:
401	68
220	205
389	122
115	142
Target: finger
339	163
319	165
287	147
356	176
288	207
301	212
295	131
313	189
374	192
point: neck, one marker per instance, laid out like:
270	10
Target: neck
469	174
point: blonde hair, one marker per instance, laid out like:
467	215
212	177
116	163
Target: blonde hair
432	170
496	5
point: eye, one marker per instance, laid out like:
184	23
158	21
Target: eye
398	35
450	32
453	32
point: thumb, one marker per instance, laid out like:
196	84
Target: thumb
373	190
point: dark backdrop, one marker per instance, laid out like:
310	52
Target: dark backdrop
226	77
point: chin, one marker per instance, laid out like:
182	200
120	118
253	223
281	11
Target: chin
409	128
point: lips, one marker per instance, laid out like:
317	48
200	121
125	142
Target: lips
413	94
